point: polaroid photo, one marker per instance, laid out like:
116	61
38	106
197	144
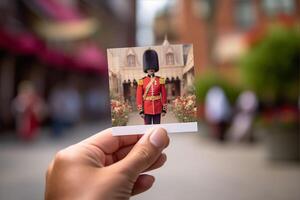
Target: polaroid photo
152	86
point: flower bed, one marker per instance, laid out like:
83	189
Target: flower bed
185	108
282	116
119	112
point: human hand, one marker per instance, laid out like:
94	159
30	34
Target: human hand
106	167
142	115
163	114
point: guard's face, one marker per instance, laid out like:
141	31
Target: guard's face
150	71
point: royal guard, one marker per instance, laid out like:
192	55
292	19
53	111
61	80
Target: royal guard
151	97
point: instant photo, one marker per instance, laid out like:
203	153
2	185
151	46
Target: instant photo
152	86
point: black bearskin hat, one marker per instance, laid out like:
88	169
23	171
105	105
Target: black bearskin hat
150	60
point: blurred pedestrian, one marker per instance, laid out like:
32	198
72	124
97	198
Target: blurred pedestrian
217	111
246	107
29	109
65	108
95	101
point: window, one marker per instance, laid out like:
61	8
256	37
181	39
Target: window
170	59
244	13
204	9
273	7
131	61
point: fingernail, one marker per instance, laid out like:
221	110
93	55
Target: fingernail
157	138
145	137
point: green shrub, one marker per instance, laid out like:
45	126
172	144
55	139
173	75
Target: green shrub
271	67
210	79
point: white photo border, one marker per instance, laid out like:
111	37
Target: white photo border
141	129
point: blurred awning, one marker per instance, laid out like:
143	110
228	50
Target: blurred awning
60	10
87	57
56	20
90	57
20	42
61	20
66	30
55	58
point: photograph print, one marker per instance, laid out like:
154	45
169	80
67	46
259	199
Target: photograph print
152	86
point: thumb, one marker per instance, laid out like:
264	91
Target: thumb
146	151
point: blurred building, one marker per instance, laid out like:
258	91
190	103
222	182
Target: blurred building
221	30
49	42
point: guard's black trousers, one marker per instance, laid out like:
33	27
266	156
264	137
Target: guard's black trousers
152	119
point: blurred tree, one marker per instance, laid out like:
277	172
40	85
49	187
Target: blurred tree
271	67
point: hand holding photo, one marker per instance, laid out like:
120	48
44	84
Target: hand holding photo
152	86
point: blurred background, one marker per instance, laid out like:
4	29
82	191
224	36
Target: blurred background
54	92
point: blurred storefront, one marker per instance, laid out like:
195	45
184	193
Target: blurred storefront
50	42
221	30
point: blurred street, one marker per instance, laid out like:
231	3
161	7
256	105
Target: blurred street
23	165
197	168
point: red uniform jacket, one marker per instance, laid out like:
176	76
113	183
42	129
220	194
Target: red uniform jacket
155	101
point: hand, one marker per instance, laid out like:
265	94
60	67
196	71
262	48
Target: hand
163	114
106	167
142	115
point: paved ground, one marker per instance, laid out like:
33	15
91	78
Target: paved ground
197	168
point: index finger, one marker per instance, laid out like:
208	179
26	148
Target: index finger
108	143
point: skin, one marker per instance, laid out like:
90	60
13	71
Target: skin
106	167
150	72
